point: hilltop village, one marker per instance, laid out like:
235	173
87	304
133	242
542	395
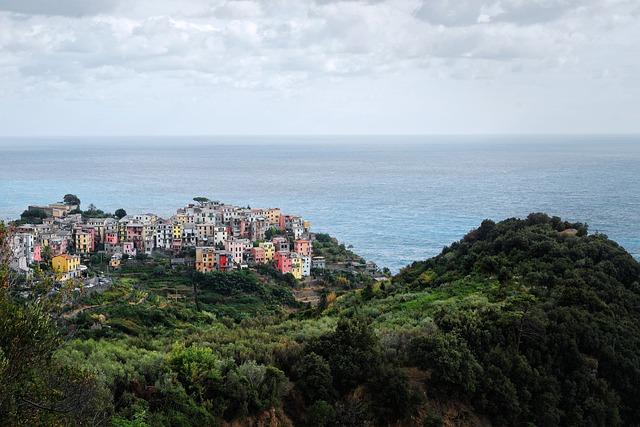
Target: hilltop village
209	235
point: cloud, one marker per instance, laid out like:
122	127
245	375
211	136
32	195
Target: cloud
59	7
520	12
287	43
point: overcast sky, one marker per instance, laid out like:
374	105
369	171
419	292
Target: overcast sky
153	67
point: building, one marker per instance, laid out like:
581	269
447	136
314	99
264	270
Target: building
66	266
258	256
302	246
220	235
296	265
318	263
280	243
237	248
269	250
129	248
282	261
164	235
306	266
83	241
205	259
135	235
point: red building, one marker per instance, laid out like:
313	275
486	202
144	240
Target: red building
282	261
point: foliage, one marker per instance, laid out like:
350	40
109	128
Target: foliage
522	322
71	199
120	213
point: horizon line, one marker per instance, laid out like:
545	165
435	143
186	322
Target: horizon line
323	135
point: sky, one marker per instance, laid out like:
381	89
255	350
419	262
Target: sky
214	67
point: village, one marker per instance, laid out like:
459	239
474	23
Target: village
207	235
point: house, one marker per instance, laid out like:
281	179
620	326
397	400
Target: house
220	234
302	246
22	247
296	265
318	263
129	248
110	240
237	248
280	243
269	250
134	233
224	260
205	259
306	266
258	256
83	242
189	236
282	261
66	266
163	234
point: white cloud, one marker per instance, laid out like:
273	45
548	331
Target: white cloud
78	48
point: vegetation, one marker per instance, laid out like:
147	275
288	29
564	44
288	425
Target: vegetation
334	251
71	199
522	322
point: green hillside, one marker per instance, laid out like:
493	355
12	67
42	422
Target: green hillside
522	322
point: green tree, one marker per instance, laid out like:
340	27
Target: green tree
200	200
120	213
71	199
352	350
314	378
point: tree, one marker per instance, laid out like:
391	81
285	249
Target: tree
121	213
314	378
71	199
353	353
34	388
200	200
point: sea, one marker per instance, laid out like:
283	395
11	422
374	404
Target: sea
393	199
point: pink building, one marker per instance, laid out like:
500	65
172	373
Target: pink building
237	247
128	248
111	238
258	255
37	253
302	246
134	235
282	261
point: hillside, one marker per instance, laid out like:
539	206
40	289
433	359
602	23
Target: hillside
528	321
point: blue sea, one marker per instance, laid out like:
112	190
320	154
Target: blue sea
395	199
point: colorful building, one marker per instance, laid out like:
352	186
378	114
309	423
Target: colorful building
83	242
302	246
296	265
205	259
282	262
258	256
269	250
66	266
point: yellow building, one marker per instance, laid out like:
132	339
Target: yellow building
205	259
296	266
83	242
65	266
177	231
269	250
272	215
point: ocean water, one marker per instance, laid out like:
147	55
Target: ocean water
395	199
